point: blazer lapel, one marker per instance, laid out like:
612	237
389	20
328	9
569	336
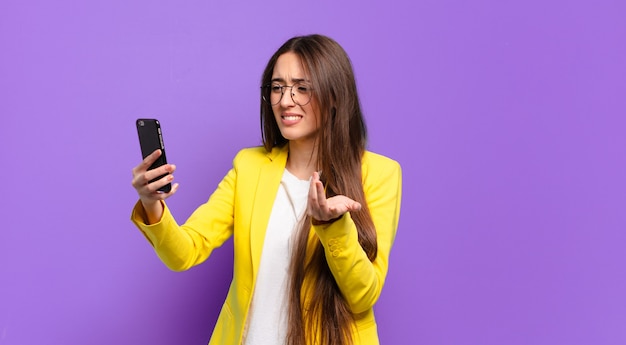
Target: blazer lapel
270	176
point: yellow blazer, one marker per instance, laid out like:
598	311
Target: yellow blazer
241	207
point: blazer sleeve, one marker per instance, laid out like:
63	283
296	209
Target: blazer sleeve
181	247
359	279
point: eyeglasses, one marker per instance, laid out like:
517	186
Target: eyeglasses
300	93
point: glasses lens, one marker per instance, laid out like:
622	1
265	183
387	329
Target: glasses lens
301	93
267	93
276	93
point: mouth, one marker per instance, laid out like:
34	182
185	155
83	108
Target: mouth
291	117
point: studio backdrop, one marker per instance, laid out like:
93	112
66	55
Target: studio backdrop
507	118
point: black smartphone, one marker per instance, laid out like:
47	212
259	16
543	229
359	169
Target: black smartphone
150	139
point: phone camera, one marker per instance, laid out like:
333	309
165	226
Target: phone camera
141	123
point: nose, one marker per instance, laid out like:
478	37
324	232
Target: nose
287	98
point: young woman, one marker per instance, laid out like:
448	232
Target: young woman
312	213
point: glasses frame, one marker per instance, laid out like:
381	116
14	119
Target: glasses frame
267	89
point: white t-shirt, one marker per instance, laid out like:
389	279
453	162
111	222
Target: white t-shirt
267	320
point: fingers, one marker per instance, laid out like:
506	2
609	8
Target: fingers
319	194
341	204
317	197
142	177
154	186
321	208
150	192
162	195
147	162
146	186
147	182
167	169
351	205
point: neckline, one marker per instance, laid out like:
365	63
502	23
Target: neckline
291	176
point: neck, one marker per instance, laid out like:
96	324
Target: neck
302	160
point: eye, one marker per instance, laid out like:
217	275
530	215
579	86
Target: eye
303	88
276	88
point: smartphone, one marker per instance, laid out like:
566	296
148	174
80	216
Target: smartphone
150	139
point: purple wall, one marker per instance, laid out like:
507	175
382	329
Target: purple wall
508	119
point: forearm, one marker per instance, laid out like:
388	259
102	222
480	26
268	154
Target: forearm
359	279
173	246
182	247
153	210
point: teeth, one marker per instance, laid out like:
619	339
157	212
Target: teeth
292	118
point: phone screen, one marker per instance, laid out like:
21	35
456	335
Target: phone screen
150	139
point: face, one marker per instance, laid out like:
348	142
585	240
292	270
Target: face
297	123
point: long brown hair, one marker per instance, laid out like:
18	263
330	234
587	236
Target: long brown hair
342	138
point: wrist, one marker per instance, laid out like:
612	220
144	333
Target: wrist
153	211
324	222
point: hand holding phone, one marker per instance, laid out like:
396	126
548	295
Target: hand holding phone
151	139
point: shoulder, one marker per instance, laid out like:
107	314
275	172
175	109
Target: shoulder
252	156
376	168
251	153
373	162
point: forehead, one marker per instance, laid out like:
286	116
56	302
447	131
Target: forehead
289	67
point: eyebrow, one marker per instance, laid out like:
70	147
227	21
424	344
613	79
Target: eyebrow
294	80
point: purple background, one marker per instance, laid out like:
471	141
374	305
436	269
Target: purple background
507	117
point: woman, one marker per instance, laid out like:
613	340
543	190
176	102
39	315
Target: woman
313	215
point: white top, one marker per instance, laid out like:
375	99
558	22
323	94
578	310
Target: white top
267	320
